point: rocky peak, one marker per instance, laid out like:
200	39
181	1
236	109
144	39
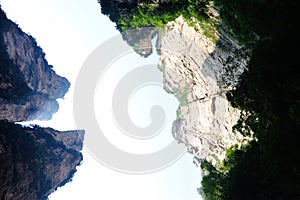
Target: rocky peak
25	71
71	139
34	162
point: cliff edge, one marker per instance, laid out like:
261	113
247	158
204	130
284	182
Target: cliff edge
34	161
29	86
196	71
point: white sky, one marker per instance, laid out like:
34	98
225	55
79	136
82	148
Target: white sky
68	31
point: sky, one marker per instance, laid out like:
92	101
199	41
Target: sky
68	31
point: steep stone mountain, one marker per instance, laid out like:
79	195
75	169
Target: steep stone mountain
198	72
35	161
29	87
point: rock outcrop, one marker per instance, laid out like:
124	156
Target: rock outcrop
139	39
198	73
29	87
35	161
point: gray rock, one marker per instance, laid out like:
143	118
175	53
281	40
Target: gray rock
30	68
196	72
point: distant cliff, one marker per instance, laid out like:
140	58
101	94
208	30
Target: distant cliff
34	161
28	85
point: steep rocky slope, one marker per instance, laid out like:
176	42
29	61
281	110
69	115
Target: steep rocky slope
199	73
35	161
29	87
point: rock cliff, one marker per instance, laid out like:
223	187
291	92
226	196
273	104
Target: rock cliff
29	87
35	161
199	72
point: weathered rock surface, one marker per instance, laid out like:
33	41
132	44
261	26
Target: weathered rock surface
24	64
198	72
140	40
35	161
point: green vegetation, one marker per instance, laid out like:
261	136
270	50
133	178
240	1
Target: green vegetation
268	92
158	15
182	95
147	14
269	95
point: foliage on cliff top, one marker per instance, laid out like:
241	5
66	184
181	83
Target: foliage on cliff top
269	95
158	14
253	20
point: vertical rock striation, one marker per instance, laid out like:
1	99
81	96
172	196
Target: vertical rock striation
34	161
29	86
199	73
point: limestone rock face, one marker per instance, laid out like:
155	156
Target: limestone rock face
199	73
23	66
34	162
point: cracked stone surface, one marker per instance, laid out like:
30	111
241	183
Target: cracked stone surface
196	72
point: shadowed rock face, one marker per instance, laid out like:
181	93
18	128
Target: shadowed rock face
140	39
25	71
34	161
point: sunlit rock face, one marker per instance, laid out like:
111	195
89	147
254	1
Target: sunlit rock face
199	73
34	162
24	67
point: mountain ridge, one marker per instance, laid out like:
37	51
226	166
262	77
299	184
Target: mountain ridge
34	161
